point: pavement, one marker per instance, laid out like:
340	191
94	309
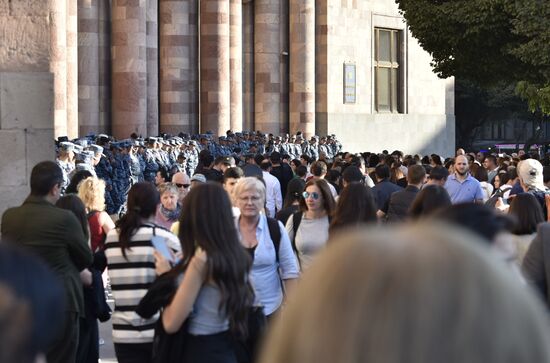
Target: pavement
107	350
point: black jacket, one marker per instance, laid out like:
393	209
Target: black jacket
400	202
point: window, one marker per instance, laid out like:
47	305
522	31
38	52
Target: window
387	73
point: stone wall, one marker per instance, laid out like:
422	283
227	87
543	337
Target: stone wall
26	133
345	30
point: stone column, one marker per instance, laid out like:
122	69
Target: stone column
214	66
302	67
179	67
248	64
267	53
58	64
152	68
104	50
236	64
129	68
72	68
88	67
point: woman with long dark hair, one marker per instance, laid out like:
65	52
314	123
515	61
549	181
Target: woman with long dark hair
308	228
214	295
429	199
355	206
528	213
131	264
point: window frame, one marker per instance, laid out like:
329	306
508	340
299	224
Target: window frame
396	69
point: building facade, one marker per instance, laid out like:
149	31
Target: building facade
344	67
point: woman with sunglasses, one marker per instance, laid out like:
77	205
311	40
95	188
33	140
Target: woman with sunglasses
308	228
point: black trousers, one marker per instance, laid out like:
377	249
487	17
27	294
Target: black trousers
215	348
63	349
88	342
134	353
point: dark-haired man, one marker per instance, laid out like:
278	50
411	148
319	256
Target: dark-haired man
490	163
438	176
281	171
400	201
384	188
56	236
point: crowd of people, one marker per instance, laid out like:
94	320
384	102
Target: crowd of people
255	253
122	163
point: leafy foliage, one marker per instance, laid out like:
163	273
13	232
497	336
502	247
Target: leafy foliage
487	42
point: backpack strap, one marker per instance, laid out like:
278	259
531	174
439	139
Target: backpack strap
296	220
275	234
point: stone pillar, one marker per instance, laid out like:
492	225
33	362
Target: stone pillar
214	66
284	66
321	67
248	64
129	68
88	67
104	51
72	68
267	53
58	64
179	67
302	67
236	64
152	68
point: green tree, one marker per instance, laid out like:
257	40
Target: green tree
476	106
487	42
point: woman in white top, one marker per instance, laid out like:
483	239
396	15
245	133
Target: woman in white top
308	229
270	268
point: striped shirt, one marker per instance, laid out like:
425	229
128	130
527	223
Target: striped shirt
130	278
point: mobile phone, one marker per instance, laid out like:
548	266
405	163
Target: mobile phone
160	245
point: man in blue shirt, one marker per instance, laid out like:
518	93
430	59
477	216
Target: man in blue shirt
461	186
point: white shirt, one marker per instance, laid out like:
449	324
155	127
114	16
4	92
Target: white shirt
273	197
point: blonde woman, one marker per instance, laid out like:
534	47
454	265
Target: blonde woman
92	192
269	267
409	294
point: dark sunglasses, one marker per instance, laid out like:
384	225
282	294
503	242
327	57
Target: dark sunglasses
314	195
182	185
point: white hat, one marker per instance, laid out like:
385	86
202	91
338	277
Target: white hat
530	173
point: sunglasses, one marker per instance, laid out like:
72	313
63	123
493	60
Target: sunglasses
314	195
182	185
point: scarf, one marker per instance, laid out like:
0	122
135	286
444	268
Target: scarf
170	215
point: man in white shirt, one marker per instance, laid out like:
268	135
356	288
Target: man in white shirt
273	197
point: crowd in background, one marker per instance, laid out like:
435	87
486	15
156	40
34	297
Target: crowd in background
337	256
